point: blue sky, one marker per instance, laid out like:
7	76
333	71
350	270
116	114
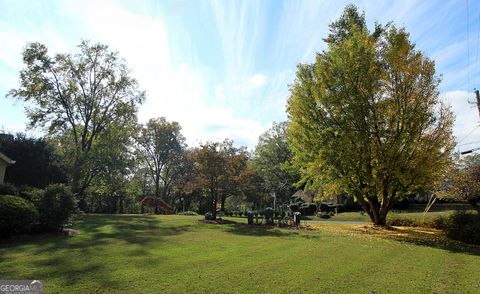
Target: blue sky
222	68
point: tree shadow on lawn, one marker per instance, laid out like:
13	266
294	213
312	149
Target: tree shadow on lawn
423	237
267	231
70	258
97	230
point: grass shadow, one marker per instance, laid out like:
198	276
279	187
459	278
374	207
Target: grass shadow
267	231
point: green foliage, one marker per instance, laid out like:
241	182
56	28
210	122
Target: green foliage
294	207
37	164
161	146
403	222
188	212
464	227
77	98
272	160
56	206
307	208
8	189
219	171
17	215
268	214
462	183
366	118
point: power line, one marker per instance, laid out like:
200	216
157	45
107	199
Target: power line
465	137
468	47
478	42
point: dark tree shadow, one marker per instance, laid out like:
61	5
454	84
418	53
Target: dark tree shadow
95	231
268	231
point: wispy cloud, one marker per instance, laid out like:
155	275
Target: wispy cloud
222	68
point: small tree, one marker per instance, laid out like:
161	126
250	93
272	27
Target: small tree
463	182
56	205
219	169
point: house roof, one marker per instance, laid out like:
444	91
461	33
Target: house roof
7	159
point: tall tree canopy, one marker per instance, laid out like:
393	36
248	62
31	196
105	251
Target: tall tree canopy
162	148
366	117
78	97
272	160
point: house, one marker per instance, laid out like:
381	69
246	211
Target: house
4	162
306	196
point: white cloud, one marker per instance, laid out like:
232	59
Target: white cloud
177	92
466	128
258	80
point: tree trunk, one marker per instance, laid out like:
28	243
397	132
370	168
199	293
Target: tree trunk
222	203
378	220
214	208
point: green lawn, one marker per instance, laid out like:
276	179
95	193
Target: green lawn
175	254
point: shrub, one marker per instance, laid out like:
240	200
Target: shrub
402	222
464	227
347	207
324	207
304	210
294	207
268	215
30	193
56	206
313	208
8	189
401	205
188	212
17	215
325	215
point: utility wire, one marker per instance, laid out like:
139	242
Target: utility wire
468	135
468	47
478	42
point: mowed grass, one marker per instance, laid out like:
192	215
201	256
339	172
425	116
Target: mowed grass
176	254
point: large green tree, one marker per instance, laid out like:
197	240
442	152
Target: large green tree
366	117
272	160
162	146
78	97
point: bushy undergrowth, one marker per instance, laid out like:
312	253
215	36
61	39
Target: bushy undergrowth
56	206
35	210
17	215
465	227
188	212
461	226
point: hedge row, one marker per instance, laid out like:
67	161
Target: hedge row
36	210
